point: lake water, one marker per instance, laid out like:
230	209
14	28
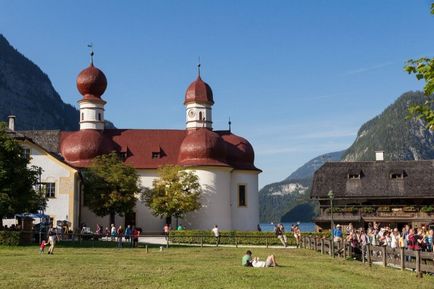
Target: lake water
304	227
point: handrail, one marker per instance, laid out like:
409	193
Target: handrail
421	262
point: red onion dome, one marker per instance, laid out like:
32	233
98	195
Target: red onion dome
240	151
91	82
85	145
199	91
202	147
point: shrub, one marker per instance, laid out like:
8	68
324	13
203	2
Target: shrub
231	237
335	210
351	210
384	209
409	209
368	210
10	238
427	209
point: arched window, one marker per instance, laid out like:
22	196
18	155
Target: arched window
82	116
200	116
99	116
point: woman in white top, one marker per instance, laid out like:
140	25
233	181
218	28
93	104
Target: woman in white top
270	262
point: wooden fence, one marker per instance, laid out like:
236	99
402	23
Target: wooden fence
421	262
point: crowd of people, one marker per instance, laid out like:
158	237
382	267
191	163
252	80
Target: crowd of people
279	230
412	238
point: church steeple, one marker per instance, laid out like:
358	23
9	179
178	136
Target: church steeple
198	104
91	83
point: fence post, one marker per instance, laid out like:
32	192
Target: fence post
418	273
236	243
201	241
266	241
383	250
344	242
147	251
368	247
402	250
322	246
315	244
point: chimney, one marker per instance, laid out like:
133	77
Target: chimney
379	155
11	125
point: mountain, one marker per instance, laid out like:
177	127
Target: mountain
277	199
399	138
307	170
27	92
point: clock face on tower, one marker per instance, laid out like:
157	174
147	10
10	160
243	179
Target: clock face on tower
191	113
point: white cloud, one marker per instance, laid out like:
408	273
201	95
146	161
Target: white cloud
367	69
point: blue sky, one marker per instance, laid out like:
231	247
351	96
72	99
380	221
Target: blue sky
297	78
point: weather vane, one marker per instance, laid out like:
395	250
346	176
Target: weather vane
230	124
91	52
198	67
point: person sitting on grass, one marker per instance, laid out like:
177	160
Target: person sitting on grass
269	262
246	261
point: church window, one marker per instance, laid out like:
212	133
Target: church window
200	115
48	189
99	116
242	196
26	153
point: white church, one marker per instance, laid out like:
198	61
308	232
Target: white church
223	161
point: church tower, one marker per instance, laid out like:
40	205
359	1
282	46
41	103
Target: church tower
91	83
198	104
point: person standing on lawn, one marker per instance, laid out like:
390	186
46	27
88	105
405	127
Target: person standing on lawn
216	233
52	238
280	234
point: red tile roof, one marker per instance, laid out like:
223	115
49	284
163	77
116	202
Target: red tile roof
152	148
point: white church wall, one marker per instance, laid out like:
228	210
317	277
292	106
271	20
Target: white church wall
53	171
215	200
245	218
144	217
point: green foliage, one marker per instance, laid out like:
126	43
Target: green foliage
230	237
10	238
110	186
427	209
423	69
368	210
175	193
384	209
17	194
410	209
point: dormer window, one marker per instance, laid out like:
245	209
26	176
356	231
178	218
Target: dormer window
355	174
156	155
398	175
122	155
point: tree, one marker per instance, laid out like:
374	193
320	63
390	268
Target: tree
174	194
423	68
110	186
17	179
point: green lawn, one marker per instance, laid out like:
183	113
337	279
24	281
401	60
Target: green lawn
190	268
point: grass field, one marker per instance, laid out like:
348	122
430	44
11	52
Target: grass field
190	268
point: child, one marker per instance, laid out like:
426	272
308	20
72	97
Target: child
42	247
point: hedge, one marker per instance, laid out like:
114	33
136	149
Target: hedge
10	238
232	237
